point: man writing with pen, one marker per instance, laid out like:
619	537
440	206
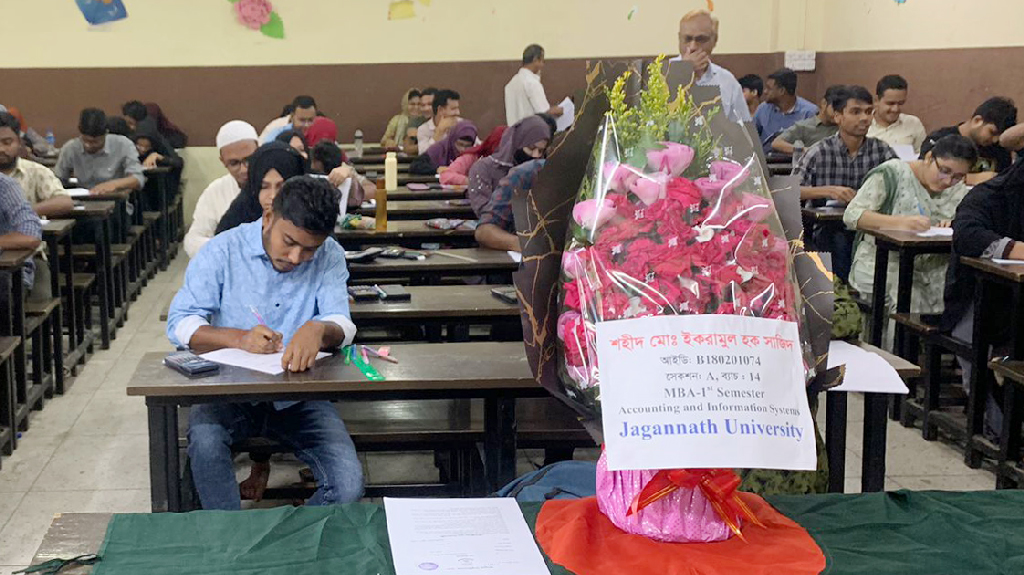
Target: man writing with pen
275	284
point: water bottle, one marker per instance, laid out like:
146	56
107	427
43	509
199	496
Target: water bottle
359	144
50	139
798	150
391	172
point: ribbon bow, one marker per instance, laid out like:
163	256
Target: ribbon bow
717	485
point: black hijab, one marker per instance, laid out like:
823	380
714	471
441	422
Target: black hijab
272	156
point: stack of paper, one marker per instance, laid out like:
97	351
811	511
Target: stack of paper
934	232
77	192
865	371
263	362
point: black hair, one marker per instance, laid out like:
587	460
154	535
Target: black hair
310	203
431	91
287	110
303	102
118	125
532	53
327	153
851	92
785	79
286	136
999	111
7	120
752	82
414	93
832	92
135	110
890	82
442	97
955	146
550	121
92	122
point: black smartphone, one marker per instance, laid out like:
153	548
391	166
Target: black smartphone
394	293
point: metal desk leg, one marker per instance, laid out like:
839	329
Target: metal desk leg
878	296
164	473
57	319
875	422
835	439
18	330
500	440
101	265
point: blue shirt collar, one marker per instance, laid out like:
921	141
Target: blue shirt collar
253	234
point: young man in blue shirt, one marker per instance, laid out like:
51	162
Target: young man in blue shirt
289	268
781	107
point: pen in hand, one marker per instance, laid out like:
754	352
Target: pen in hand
272	341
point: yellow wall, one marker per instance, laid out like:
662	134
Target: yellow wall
52	33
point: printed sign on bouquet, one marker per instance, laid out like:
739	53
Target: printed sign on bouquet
704	391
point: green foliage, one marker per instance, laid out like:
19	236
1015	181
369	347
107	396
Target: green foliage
274	28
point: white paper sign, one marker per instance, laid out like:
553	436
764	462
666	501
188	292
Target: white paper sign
704	391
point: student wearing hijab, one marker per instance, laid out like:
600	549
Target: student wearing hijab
459	139
295	139
269	168
398	127
457	173
525	141
323	128
154	150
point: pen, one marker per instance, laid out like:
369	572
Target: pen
365	359
376	353
383	294
256	313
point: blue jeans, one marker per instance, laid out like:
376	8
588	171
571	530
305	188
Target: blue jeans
312	429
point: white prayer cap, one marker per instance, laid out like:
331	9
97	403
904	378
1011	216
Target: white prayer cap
235	131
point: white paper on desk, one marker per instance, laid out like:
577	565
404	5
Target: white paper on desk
905	152
448	536
934	232
516	256
1007	262
263	362
77	192
865	371
568	116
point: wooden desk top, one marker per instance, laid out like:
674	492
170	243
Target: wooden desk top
57	228
403	194
423	209
904	239
405	179
481	259
89	210
115	196
903	368
399	229
13	259
438	302
825	214
430	369
1011	272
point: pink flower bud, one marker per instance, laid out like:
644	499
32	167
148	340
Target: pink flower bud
673	159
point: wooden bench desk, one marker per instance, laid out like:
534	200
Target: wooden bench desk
438	264
407	233
403	193
422	210
12	324
823	214
497	372
57	233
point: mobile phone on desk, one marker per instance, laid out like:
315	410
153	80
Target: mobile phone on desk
394	293
506	294
191	365
363	293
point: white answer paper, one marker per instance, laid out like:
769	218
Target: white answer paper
269	363
704	391
516	256
865	371
568	116
905	152
934	232
77	192
447	536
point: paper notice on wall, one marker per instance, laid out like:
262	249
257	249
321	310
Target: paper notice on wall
704	391
401	10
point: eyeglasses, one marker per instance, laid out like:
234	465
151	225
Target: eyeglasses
232	164
948	174
687	39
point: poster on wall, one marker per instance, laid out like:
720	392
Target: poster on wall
102	11
259	15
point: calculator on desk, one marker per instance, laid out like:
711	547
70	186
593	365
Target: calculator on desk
191	365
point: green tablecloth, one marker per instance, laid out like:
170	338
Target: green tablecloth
906	533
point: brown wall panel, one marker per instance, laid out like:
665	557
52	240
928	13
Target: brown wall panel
946	85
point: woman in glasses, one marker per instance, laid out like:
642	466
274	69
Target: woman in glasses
910	196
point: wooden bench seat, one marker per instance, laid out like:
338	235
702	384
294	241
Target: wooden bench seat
7	346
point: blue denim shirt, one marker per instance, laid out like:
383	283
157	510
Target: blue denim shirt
233	272
771	121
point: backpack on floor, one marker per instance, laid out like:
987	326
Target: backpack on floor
562	480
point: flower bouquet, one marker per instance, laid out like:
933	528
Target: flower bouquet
668	222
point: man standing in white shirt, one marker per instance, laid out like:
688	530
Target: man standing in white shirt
524	94
698	35
236	141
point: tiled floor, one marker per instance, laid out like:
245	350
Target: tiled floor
87	451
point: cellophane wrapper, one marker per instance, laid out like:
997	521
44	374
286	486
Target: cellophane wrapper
667	226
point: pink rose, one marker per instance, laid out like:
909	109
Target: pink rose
569	317
572	263
649	188
673	159
253	13
730	172
619	176
572	295
592	214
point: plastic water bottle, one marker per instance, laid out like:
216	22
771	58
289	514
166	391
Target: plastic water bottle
798	150
359	144
391	172
50	139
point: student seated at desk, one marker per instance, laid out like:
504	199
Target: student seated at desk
236	141
294	139
396	134
496	229
753	89
911	196
458	139
41	188
100	161
154	151
288	267
781	107
20	229
327	159
150	116
836	166
994	130
812	130
890	124
457	173
989	224
269	167
444	104
525	141
303	112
